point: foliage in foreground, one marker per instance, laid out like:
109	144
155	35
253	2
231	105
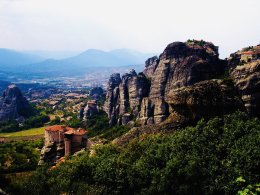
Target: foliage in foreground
205	159
32	122
19	156
97	125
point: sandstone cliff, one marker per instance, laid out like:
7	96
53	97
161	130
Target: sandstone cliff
124	96
245	71
187	82
13	105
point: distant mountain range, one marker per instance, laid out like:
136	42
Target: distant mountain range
50	54
92	59
3	86
11	58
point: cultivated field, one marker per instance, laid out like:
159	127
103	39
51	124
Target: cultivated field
30	134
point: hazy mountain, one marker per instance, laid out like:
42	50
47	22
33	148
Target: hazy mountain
57	55
15	65
3	86
87	61
11	58
131	56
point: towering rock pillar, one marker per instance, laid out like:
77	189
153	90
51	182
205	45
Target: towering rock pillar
112	98
13	105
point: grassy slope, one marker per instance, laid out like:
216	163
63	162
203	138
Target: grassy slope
29	132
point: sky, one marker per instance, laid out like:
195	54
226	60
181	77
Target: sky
143	25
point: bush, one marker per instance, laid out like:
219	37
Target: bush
97	125
55	121
9	126
74	122
19	156
36	121
205	159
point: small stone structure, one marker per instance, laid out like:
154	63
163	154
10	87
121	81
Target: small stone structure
61	140
252	54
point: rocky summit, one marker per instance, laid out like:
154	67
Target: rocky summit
187	82
13	106
245	71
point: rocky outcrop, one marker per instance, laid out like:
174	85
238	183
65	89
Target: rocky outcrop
184	85
125	97
204	99
48	154
245	71
150	66
111	106
13	106
181	65
90	110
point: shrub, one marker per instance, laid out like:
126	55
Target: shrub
205	159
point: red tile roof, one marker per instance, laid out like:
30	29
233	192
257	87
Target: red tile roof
76	132
251	52
58	128
248	53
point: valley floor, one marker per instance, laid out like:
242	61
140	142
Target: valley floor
29	134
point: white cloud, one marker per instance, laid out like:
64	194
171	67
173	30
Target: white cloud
138	24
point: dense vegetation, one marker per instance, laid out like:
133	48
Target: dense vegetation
97	125
31	122
221	156
19	156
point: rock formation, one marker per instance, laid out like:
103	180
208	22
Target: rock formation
150	66
124	96
13	106
111	104
187	82
89	110
245	71
203	99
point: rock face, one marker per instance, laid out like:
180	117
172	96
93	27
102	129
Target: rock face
203	99
245	71
182	85
13	105
89	110
111	106
124	96
48	154
150	66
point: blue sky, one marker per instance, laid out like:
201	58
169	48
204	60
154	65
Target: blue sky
144	25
